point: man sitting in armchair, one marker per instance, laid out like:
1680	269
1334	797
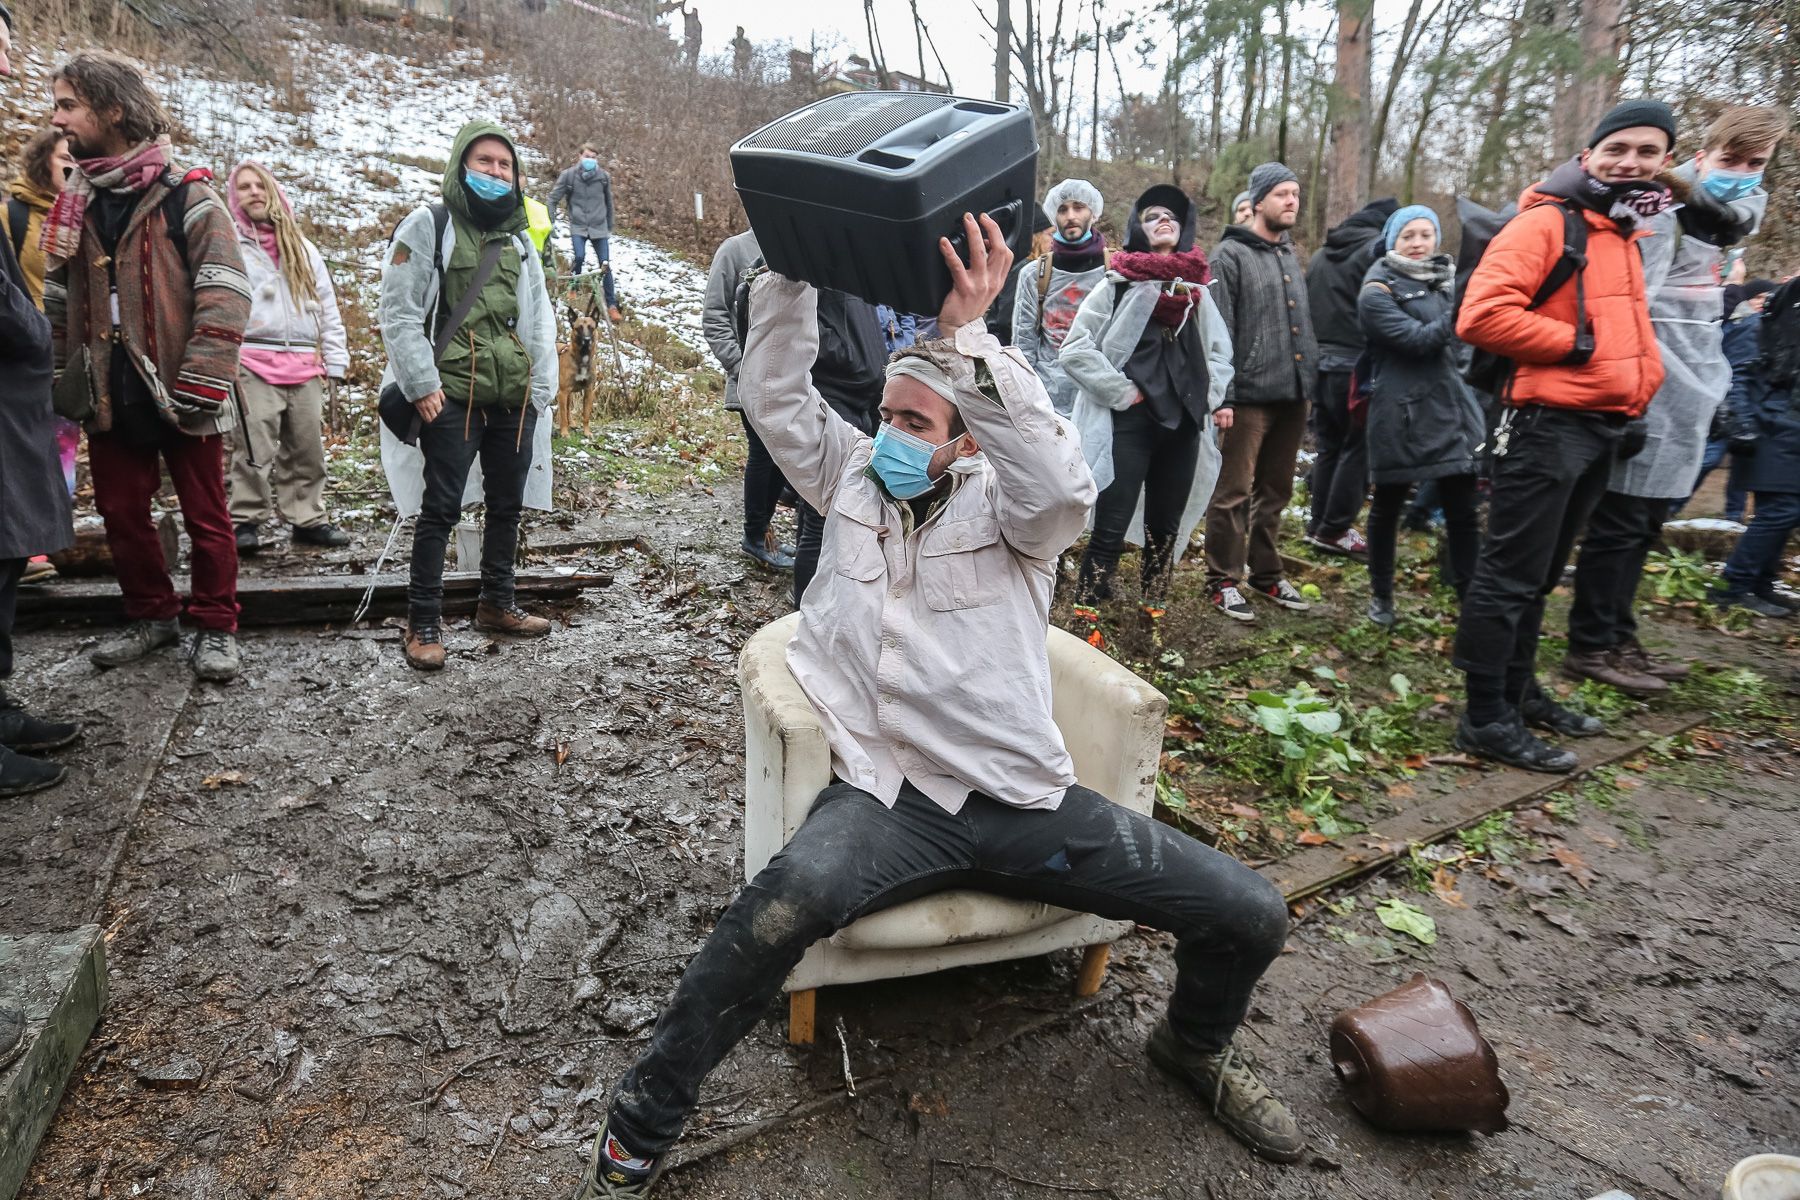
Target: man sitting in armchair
922	646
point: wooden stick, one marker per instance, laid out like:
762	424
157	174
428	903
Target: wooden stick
802	1008
1093	969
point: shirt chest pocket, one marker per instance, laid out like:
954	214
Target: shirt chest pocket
963	564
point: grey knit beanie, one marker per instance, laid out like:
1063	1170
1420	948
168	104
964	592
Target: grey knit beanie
1629	114
1240	198
1073	189
1266	178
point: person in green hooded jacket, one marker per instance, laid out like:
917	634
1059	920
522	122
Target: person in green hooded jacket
483	399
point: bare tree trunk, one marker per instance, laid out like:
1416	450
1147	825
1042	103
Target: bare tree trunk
1002	51
1218	101
1350	109
1411	32
1602	29
1287	83
1252	49
919	37
875	54
1094	129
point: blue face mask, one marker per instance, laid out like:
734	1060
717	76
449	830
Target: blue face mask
590	165
486	186
1731	185
902	462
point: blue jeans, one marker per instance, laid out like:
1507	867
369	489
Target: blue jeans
1734	496
602	253
1756	559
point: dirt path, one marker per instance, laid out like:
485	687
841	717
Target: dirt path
411	928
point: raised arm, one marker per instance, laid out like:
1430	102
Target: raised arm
808	441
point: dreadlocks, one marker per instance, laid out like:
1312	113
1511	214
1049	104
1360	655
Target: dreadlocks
296	263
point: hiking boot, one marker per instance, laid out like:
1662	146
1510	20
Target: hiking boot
19	730
1541	712
1606	666
614	1173
1509	743
1632	653
1285	594
215	655
1381	611
20	775
248	539
511	620
323	534
1238	1099
1348	544
769	556
1772	596
135	641
1229	600
613	314
1756	604
424	646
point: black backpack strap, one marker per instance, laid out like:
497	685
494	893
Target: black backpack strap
18	220
1570	265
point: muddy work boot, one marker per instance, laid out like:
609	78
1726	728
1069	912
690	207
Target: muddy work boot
1230	1089
1510	743
215	655
1606	666
19	730
423	644
614	1173
135	641
20	774
1631	652
1541	712
510	620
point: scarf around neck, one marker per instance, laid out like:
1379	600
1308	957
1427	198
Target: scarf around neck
1076	257
1627	204
133	171
1438	272
1185	271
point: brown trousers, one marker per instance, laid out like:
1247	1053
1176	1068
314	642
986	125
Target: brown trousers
284	428
1256	480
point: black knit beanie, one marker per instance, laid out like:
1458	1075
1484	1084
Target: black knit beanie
6	15
1628	114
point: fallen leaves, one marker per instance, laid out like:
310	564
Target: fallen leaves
1402	917
1312	837
225	779
1443	886
1574	864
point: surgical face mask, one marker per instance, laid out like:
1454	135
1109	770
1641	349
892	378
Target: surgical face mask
1731	185
486	186
902	462
590	164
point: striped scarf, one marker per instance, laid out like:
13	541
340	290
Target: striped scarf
133	171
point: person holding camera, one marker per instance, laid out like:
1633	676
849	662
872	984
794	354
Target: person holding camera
921	645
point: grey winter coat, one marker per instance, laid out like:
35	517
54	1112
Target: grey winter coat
34	504
1040	337
1423	420
590	201
1260	290
735	255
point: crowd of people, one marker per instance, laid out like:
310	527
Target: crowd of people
1558	388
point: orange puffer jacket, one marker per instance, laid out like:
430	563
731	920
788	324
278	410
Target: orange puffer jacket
1625	369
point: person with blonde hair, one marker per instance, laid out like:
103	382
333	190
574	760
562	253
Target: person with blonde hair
292	346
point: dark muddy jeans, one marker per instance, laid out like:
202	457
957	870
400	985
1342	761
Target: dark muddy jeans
854	856
501	437
1340	474
1620	533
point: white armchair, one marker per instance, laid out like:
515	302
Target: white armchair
1112	723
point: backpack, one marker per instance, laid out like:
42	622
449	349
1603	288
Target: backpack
1043	280
1489	372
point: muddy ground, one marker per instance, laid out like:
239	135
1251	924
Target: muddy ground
401	933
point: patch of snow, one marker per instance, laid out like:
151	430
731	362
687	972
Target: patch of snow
1709	524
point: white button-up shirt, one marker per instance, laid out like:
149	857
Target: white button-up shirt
922	649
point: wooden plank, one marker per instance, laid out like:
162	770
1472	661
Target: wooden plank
1436	817
295	600
57	983
802	1006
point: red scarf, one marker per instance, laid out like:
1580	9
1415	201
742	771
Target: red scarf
133	171
1183	267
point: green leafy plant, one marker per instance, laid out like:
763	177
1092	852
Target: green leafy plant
1494	838
1678	576
1392	730
1307	732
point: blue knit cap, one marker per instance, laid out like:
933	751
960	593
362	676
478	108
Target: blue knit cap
1390	233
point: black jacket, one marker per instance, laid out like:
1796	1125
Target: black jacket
1761	411
852	365
34	503
1335	277
1423	420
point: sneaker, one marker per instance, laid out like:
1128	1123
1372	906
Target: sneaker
769	556
509	619
19	730
1381	611
1285	594
423	646
1608	667
38	570
135	641
1239	1101
614	1173
20	775
1541	712
1348	544
248	540
322	534
1632	653
1509	743
1773	597
1756	604
1229	600
215	655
